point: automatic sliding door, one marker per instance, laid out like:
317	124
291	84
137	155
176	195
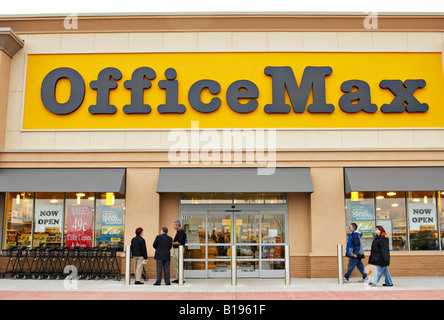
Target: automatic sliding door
273	226
194	225
219	226
260	237
247	243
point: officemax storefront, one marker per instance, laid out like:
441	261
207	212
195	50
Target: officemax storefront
259	131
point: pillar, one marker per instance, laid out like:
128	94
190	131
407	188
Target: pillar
10	43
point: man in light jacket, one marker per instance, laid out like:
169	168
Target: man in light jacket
355	252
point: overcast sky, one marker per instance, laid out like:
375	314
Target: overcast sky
19	7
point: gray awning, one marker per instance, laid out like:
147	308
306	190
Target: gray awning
394	179
233	180
62	180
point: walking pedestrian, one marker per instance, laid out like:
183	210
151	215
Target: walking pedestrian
139	253
355	252
179	240
163	244
380	257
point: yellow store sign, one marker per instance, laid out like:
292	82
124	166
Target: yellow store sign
233	90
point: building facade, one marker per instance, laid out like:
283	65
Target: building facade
258	131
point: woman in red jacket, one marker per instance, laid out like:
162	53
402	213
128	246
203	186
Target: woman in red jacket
380	256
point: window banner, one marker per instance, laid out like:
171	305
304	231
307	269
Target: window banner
79	226
363	216
48	217
110	225
422	216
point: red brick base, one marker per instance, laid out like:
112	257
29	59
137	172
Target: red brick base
407	266
326	267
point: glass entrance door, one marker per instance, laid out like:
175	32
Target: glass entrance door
247	243
257	235
219	229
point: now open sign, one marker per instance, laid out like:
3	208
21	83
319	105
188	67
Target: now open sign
422	214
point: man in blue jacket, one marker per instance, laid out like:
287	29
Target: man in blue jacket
355	252
163	244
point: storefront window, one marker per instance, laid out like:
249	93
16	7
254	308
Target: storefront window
441	216
423	227
206	198
63	219
19	208
413	220
260	198
360	209
391	215
48	220
233	198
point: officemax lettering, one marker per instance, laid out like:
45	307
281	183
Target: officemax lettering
356	97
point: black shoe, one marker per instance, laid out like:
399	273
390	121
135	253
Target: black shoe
387	285
167	284
138	282
175	281
156	284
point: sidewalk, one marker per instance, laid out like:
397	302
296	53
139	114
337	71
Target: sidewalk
405	288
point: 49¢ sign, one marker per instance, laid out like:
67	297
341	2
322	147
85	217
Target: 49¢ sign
79	233
233	90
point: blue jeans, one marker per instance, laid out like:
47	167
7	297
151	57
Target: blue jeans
352	263
382	271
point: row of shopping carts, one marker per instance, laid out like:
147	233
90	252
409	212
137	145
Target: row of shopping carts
89	263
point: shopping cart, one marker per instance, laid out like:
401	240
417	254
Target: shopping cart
53	267
17	262
89	262
81	262
59	263
22	266
96	264
111	265
11	253
40	270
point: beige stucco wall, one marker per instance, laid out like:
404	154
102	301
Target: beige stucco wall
5	67
316	221
142	204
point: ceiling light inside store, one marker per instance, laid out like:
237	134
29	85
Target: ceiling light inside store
395	205
391	193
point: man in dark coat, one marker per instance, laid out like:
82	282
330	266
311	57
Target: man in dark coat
163	244
140	256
